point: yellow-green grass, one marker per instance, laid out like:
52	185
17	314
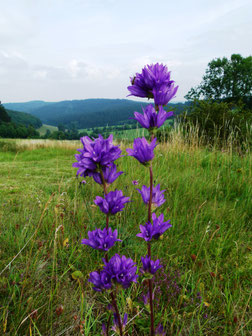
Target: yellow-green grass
42	130
45	211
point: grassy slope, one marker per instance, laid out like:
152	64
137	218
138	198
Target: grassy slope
42	130
45	209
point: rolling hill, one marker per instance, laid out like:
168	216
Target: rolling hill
86	113
22	118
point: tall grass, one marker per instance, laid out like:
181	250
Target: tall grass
45	211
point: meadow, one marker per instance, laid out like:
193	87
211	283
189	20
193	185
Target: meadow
204	287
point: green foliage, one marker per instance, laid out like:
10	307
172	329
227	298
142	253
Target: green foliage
218	121
23	118
4	117
11	130
225	79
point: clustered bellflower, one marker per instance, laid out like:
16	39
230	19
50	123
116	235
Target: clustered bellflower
150	266
153	82
100	280
155	229
118	269
112	203
101	240
150	119
157	195
110	174
121	269
142	150
96	154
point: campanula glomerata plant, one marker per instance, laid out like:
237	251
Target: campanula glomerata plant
153	82
96	160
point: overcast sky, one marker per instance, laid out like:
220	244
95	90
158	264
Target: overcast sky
56	50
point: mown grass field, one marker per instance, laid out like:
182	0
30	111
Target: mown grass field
205	285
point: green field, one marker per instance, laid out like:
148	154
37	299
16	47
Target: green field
42	130
45	212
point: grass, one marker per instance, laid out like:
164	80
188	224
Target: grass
45	211
42	130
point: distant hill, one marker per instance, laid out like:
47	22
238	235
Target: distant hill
22	118
86	113
27	107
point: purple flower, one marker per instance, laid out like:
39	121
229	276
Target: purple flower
155	230
162	95
153	82
151	119
113	202
100	280
159	331
135	182
121	270
115	327
142	150
157	195
83	181
96	154
150	266
101	239
110	174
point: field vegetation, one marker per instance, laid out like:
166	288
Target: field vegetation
45	211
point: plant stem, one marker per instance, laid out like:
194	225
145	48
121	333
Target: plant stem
113	297
105	192
152	332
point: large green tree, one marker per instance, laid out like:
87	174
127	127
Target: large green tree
226	79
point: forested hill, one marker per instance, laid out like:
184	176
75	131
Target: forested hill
86	113
22	118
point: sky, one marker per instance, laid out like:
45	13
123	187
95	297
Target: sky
57	50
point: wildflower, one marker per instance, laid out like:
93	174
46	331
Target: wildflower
150	118
155	230
83	182
115	327
150	266
112	203
110	174
101	239
162	95
142	150
100	280
152	76
135	182
157	195
121	270
96	154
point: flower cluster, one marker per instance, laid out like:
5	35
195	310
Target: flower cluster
154	230
95	155
112	203
118	269
153	82
142	150
150	266
150	119
101	240
157	195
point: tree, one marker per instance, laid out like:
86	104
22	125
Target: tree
4	117
227	80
